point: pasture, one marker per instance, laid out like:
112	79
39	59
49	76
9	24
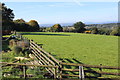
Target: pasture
78	48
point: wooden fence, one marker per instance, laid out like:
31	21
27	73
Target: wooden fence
45	58
24	67
89	71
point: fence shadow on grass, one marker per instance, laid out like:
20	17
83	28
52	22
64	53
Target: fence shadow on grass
88	68
76	67
40	45
45	34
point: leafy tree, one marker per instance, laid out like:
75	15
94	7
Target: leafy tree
79	27
56	28
34	25
7	18
94	30
19	21
20	25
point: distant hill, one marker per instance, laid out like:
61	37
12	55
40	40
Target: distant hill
62	24
106	25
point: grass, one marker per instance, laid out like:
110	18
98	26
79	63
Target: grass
80	48
9	56
85	48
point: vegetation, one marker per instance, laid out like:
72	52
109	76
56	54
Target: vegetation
94	30
56	28
68	29
7	17
86	48
19	24
11	50
34	25
69	47
79	27
116	31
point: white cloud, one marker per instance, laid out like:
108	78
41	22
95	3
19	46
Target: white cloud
64	4
78	2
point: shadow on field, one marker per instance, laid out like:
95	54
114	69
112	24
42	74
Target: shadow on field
45	34
95	74
40	45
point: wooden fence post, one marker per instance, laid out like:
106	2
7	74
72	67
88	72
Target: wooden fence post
60	71
55	73
100	70
24	71
81	73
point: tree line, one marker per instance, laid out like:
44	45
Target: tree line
21	25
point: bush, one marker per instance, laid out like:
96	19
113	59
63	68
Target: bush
94	30
56	28
17	49
104	31
114	32
79	27
26	52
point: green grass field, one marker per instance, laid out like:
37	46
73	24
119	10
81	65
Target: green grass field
85	48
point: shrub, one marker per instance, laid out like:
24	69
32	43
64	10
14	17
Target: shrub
56	28
12	42
79	27
94	30
26	52
17	49
114	32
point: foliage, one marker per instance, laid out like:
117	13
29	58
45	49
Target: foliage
104	31
56	28
79	27
48	29
17	49
94	30
22	25
116	31
5	45
43	29
19	21
34	25
7	17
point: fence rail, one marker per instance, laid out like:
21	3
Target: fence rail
55	66
44	58
92	66
28	65
50	60
88	71
39	48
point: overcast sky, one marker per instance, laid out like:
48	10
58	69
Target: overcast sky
65	12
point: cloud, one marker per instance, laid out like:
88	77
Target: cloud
64	4
78	2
